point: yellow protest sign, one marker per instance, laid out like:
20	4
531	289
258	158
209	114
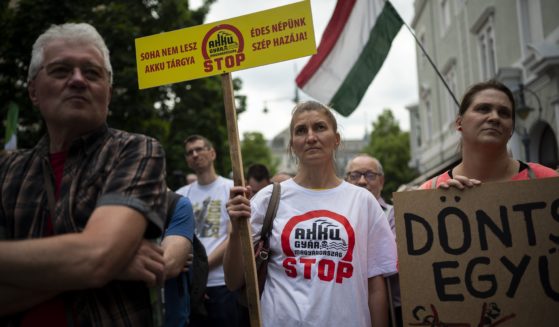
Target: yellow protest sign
252	40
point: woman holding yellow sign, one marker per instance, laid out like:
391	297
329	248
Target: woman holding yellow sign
330	242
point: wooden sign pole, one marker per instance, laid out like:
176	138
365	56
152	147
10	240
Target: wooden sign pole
253	298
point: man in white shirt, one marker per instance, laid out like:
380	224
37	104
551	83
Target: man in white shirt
208	195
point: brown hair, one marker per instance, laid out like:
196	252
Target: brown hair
478	87
195	137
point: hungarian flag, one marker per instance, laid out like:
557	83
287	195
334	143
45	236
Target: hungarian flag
353	47
10	138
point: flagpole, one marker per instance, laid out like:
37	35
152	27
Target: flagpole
432	64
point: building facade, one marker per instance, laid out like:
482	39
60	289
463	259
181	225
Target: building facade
513	41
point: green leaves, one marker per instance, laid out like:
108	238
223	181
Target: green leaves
391	147
255	150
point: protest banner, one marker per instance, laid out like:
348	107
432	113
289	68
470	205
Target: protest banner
222	47
481	257
252	40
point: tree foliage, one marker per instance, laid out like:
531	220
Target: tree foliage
169	113
255	150
391	146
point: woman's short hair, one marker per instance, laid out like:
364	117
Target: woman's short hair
468	97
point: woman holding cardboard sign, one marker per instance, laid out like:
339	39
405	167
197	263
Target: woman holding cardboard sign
330	243
486	121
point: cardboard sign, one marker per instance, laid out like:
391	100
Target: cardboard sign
257	39
482	257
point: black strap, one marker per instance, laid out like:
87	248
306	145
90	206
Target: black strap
270	212
531	173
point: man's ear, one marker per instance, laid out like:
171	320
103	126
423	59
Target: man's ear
32	91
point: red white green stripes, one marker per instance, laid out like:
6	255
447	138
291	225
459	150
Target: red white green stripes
351	52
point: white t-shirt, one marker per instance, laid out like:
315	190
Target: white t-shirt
325	245
211	218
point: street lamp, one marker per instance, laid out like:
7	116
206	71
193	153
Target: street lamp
522	111
295	100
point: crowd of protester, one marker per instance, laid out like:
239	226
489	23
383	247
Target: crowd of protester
91	236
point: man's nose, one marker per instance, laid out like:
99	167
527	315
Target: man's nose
77	77
362	180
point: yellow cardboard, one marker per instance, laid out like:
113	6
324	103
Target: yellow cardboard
252	40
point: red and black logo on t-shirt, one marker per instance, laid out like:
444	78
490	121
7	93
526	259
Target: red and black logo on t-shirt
318	243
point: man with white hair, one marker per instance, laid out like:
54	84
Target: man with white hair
77	210
366	171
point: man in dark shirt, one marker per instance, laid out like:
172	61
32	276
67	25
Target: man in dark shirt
77	210
257	177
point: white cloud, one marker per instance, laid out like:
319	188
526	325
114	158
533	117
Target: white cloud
394	87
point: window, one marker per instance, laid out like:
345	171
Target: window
429	120
460	4
451	108
487	55
423	60
548	148
278	142
445	15
417	120
531	27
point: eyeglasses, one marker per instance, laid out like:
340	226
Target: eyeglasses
370	176
63	70
190	152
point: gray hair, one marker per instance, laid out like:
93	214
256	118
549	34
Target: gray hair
76	32
375	160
